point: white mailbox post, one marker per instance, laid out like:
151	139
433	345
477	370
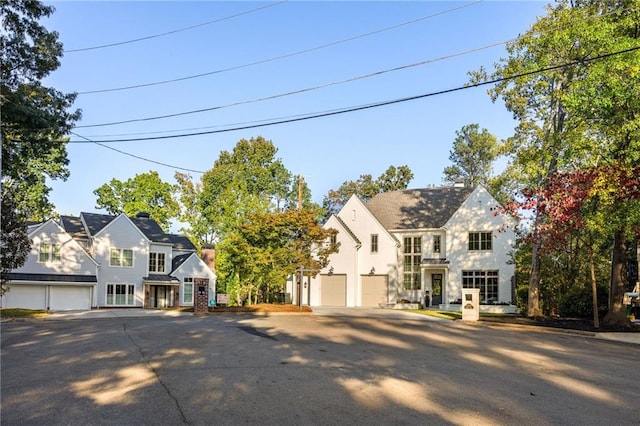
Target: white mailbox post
470	304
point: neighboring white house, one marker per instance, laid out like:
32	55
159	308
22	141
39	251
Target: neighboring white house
98	260
417	245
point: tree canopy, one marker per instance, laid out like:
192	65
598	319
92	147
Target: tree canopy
365	187
145	192
575	99
35	121
472	156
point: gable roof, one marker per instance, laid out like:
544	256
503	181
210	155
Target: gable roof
425	208
95	222
179	260
73	226
349	231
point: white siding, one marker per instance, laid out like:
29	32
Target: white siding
477	214
121	233
195	267
73	259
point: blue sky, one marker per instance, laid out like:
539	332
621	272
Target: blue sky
326	151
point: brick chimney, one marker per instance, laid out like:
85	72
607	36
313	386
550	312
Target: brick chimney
208	254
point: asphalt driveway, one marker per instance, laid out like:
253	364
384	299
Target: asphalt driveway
309	369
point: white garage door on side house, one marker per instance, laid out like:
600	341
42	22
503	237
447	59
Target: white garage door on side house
68	298
374	290
25	296
333	291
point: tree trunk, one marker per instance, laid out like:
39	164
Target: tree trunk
533	301
617	314
594	290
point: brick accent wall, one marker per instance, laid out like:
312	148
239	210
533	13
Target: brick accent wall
201	296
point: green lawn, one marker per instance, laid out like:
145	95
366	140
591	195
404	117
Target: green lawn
23	313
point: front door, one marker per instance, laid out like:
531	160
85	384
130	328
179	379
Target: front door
436	289
158	297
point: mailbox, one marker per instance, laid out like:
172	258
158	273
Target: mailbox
470	304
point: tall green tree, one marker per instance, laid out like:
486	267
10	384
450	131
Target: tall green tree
249	179
472	156
145	192
365	187
247	183
35	121
269	247
581	112
197	227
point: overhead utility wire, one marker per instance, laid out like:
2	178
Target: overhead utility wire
295	92
276	58
136	156
174	31
378	104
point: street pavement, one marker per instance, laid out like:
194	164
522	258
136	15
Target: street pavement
633	338
136	367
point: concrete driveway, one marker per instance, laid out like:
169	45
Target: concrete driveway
308	369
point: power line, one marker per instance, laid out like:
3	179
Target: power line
276	58
295	92
377	104
103	46
136	156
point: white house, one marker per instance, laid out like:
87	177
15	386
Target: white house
418	245
98	260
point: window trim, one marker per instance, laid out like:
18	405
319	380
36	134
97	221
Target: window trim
185	282
120	261
127	294
374	243
480	279
480	241
51	254
157	262
412	279
437	244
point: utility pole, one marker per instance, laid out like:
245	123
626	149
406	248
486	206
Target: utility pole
300	272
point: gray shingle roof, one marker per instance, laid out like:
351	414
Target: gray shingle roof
417	208
149	227
70	278
179	260
74	227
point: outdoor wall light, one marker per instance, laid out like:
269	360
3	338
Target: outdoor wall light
372	271
331	271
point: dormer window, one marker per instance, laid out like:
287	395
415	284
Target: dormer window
49	252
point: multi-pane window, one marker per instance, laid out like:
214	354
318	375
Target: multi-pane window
486	281
411	265
374	243
120	294
156	262
436	243
121	257
49	252
187	291
333	239
480	240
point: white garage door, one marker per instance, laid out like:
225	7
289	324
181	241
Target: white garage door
333	290
67	298
374	290
26	296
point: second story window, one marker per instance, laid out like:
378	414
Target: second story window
436	243
156	262
411	252
374	243
333	239
480	240
49	252
121	257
